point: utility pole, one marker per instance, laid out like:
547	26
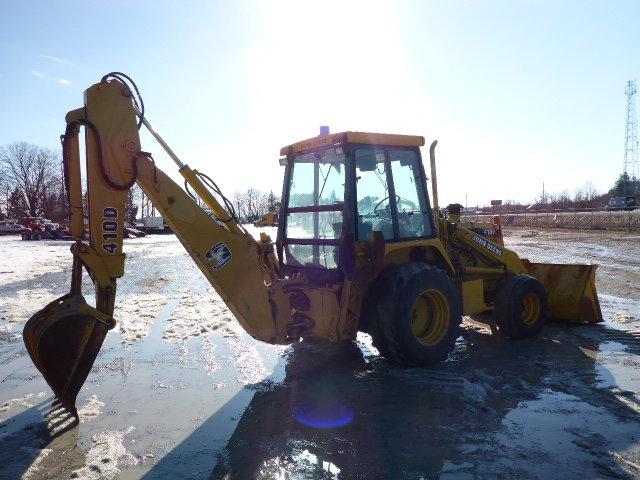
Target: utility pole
630	139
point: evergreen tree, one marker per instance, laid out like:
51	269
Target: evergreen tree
16	204
625	185
272	202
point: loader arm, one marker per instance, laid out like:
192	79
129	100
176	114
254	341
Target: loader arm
570	287
65	337
506	261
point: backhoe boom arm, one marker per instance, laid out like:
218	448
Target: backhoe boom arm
232	260
64	338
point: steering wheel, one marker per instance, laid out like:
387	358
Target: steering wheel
399	201
377	208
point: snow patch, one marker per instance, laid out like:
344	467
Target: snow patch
19	307
622	317
200	314
209	360
91	409
106	452
248	361
22	401
20	260
136	313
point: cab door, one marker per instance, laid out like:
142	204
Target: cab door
391	195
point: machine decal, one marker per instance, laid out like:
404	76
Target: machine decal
492	248
109	229
218	255
487	232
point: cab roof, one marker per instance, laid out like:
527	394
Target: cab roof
367	138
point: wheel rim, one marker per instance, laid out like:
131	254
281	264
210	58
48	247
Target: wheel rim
530	308
430	317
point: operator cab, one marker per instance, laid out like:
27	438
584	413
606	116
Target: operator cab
349	185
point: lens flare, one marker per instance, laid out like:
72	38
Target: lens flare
323	414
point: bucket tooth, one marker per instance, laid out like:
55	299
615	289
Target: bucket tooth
63	340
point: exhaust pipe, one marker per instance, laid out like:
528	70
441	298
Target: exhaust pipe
434	178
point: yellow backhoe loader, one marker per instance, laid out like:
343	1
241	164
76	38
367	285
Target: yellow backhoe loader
359	248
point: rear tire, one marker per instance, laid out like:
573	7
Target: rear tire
520	309
36	236
26	235
415	313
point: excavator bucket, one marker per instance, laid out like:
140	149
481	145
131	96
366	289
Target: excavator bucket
571	289
63	340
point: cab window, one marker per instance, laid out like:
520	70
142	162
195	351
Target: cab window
389	188
412	210
315	210
373	211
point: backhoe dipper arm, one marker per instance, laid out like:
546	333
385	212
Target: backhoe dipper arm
235	264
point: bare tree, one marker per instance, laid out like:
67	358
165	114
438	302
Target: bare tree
252	201
590	192
252	204
31	169
239	205
4	188
131	206
53	200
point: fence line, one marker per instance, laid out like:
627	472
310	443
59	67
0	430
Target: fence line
580	218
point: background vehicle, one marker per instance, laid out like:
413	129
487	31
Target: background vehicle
359	247
153	225
8	228
269	219
38	228
623	203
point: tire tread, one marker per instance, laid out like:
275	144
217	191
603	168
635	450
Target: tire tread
386	295
505	309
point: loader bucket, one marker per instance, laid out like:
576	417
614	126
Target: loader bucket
63	340
571	289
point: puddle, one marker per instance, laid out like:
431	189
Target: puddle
557	434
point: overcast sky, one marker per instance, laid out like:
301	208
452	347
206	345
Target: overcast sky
517	92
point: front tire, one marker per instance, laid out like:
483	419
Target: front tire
415	314
520	309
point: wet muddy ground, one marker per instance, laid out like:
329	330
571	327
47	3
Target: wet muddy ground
180	391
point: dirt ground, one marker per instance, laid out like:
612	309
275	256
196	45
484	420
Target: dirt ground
180	391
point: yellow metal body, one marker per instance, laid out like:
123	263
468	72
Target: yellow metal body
386	139
270	306
473	296
571	289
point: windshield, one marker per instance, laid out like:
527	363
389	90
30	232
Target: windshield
314	213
